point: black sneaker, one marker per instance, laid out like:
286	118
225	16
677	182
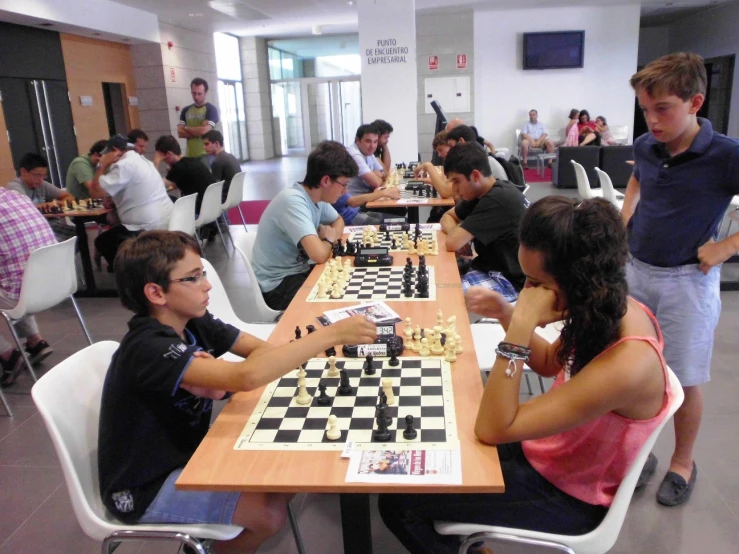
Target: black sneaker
11	368
39	353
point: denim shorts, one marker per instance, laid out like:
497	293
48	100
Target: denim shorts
687	305
193	507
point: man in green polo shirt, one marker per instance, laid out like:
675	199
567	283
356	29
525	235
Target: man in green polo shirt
197	119
82	171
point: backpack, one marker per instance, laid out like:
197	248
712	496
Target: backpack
513	170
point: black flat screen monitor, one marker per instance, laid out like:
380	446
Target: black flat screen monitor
553	50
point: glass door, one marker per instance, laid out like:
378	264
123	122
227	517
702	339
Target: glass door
233	117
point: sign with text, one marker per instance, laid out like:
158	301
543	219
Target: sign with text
433	63
461	61
172	74
387	50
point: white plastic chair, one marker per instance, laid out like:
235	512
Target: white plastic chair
68	399
235	197
599	540
210	211
50	277
261	312
733	214
183	215
583	183
620	133
609	193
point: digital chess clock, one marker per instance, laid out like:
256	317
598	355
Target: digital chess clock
373	257
386	343
395	224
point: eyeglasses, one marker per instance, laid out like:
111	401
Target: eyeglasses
197	279
339	182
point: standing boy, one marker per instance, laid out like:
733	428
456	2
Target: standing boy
684	178
157	397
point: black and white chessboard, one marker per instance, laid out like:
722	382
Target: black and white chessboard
378	283
422	387
397	235
409	193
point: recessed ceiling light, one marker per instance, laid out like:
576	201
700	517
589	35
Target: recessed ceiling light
350	2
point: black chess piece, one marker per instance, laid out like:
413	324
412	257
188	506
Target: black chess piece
331	352
381	434
345	389
298	332
442	340
435	193
410	433
393	244
394	349
310	329
323	399
369	366
387	235
428	192
382	407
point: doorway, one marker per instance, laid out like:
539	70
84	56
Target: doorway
233	116
720	73
116	113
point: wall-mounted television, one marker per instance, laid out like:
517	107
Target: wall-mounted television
553	50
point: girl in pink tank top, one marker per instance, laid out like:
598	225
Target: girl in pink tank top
564	453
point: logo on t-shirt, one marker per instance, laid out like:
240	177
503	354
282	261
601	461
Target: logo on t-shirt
123	501
175	351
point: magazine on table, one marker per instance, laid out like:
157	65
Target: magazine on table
405	466
378	313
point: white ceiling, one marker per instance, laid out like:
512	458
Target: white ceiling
285	18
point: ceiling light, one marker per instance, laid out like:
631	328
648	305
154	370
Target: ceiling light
350	2
317	29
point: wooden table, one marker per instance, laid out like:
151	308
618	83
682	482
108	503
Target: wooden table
79	218
412	208
217	466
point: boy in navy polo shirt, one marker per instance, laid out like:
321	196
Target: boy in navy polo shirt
160	386
685	176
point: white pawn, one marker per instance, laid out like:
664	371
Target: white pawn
335	292
440	319
417	339
450	355
408	323
337	259
425	352
333	371
347	267
409	335
387	388
458	342
333	432
303	397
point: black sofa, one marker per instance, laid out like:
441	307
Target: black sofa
613	161
563	174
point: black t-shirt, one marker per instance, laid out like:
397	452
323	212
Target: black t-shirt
494	220
224	167
191	177
149	426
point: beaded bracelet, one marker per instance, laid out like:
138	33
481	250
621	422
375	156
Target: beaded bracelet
513	353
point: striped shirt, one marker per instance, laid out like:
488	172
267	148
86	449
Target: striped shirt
22	230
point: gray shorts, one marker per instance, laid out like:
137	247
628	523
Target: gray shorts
687	305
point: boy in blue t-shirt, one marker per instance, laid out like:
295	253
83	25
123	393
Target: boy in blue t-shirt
158	392
685	176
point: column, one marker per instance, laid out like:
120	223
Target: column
258	104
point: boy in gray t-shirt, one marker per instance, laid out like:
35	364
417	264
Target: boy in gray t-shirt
299	226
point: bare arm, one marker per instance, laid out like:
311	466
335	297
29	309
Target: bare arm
385	160
631	199
456	237
361	199
318	249
183	132
198	131
372	179
94	187
438	181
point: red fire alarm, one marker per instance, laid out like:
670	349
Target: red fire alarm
177	108
170	44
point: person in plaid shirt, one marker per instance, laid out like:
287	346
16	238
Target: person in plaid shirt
22	230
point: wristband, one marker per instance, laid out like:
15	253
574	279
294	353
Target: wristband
513	353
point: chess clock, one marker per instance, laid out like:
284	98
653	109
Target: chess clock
395	224
415	185
386	343
376	256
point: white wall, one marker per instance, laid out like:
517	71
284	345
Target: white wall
653	44
389	89
710	34
504	93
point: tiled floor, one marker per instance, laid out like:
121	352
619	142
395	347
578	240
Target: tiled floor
36	515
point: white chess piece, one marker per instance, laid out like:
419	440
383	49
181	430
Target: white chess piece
387	388
450	355
425	352
333	371
333	432
440	319
303	397
417	339
408	336
451	325
408	323
437	348
321	290
335	292
458	343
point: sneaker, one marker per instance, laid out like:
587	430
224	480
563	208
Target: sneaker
649	467
674	490
39	352
11	368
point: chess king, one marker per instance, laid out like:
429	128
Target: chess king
163	378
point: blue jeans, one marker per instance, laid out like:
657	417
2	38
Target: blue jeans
529	502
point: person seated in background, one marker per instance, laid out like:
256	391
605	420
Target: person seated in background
299	227
488	215
31	182
382	152
158	394
82	170
22	230
348	206
371	174
587	130
606	137
429	174
456	122
137	191
462	134
224	165
439	144
572	130
563	454
139	139
534	135
189	175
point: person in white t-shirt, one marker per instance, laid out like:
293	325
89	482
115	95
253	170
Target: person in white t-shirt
534	135
137	190
371	173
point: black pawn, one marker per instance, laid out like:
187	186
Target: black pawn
323	398
345	389
298	332
393	244
369	366
310	328
381	434
410	433
387	235
331	352
394	361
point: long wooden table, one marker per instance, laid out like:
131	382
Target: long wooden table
412	208
217	466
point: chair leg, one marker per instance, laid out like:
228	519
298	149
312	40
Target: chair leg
223	240
81	320
22	350
541	384
5	403
227	227
528	384
243	221
296	530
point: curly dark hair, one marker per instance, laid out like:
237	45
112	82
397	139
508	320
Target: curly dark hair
585	250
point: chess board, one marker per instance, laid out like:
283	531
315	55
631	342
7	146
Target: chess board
409	193
422	388
377	283
397	235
